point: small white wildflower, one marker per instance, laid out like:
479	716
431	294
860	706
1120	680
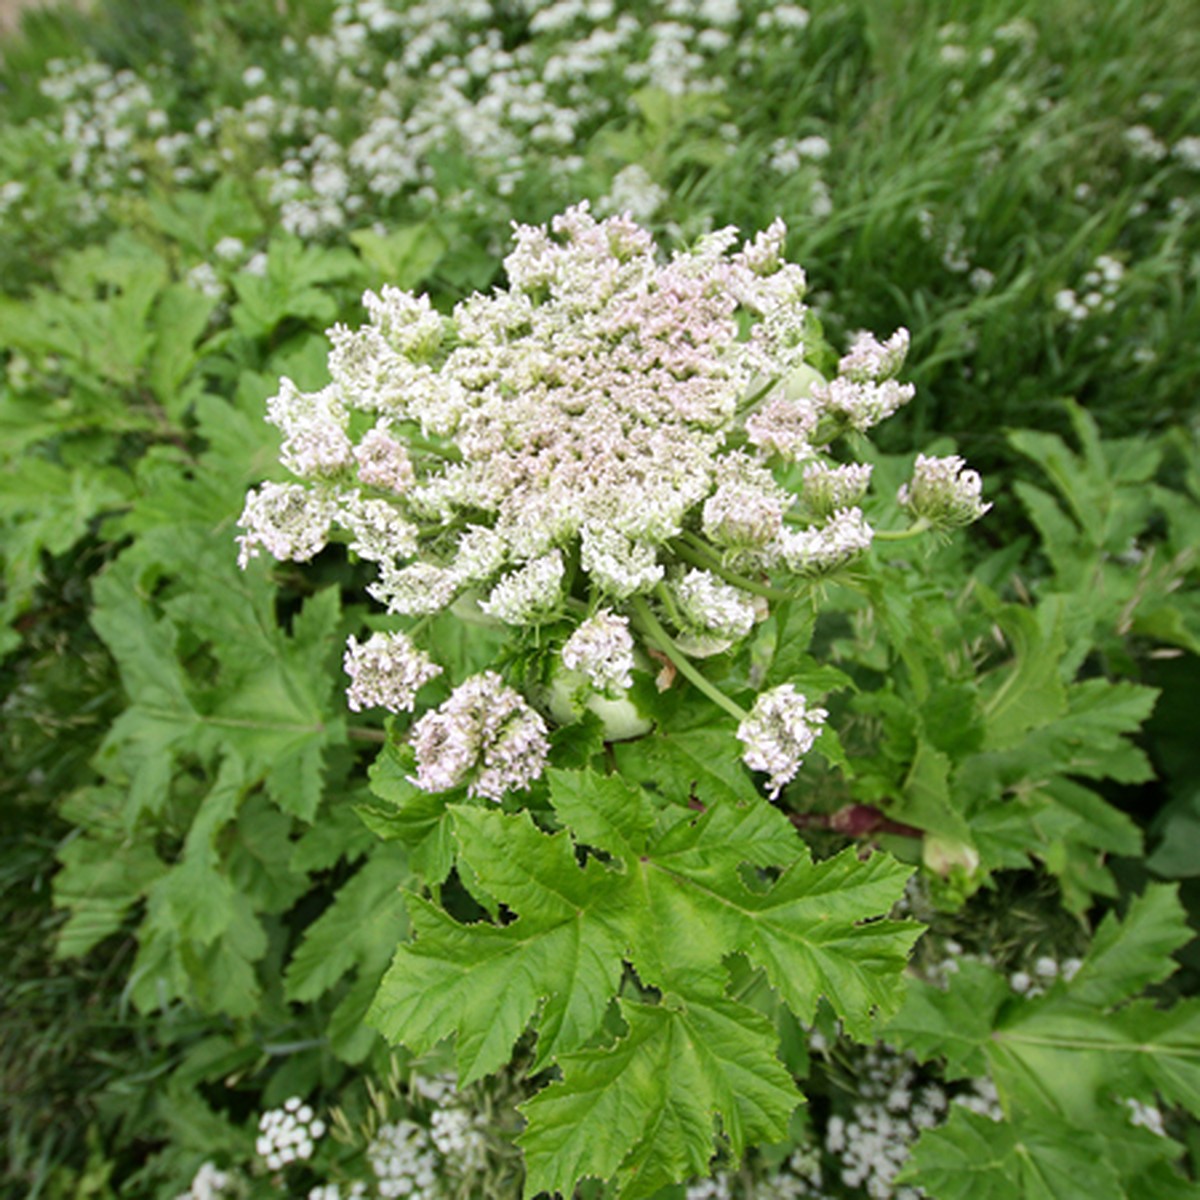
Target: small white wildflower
943	493
203	277
458	1137
635	193
287	1134
861	404
618	565
313	424
484	729
209	1184
814	147
1187	151
602	648
745	512
378	532
779	730
415	589
1146	1116
436	1088
1143	143
403	1162
383	462
784	427
386	671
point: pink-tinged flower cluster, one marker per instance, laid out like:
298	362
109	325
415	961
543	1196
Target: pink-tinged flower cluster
602	649
484	736
779	731
386	671
613	426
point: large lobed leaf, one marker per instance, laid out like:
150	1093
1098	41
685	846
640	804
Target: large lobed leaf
635	881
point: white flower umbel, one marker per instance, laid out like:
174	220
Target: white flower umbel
459	1137
706	605
484	733
860	404
869	359
288	1134
596	402
778	733
287	520
209	1183
942	493
386	671
828	489
403	1162
821	549
530	594
602	648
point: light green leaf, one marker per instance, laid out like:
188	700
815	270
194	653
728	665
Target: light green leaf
361	926
925	801
410	815
404	257
972	1157
1129	954
644	1107
485	982
952	1023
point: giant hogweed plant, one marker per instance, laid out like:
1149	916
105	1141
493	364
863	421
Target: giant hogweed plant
624	475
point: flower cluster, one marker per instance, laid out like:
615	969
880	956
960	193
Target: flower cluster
387	670
458	1135
612	434
209	1183
602	648
288	1134
943	493
484	735
403	1162
892	1107
779	731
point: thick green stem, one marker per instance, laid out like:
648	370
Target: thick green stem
899	535
652	628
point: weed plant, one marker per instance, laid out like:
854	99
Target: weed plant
205	848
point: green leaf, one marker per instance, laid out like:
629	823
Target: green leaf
485	982
681	892
693	751
808	933
972	1157
360	927
102	873
403	258
925	801
410	815
1165	1047
953	1023
1029	693
643	1109
603	811
1129	954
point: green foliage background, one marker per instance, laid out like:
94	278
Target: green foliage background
201	882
